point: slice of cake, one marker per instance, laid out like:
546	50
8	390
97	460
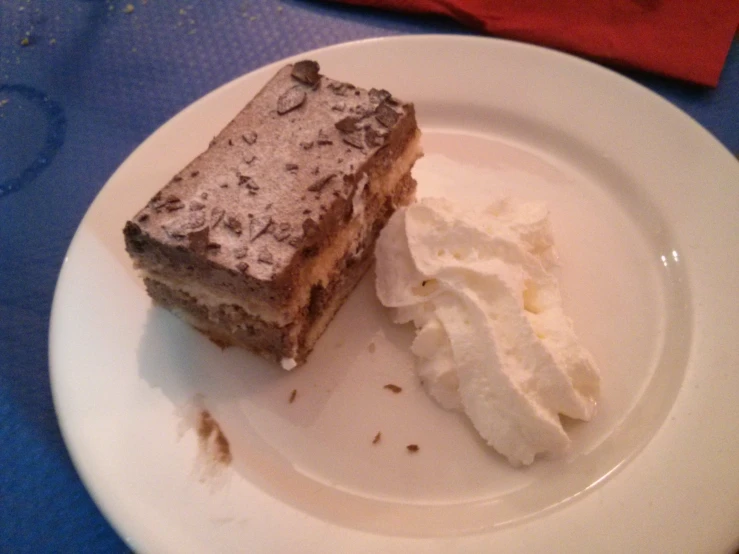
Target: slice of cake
260	239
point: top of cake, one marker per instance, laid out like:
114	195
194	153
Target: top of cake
267	180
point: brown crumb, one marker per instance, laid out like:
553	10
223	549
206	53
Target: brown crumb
219	343
412	448
25	41
208	429
377	438
129	8
293	394
395	388
371	348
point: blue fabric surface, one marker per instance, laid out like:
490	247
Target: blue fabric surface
82	83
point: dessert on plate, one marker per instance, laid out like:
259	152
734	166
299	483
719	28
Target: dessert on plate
261	238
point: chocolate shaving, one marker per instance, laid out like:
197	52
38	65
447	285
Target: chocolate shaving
250	137
321	182
339	89
250	184
233	223
281	231
291	99
170	203
354	139
199	240
377	96
394	388
258	225
174	204
265	256
216	215
347	124
323	139
306	71
372	138
185	225
386	115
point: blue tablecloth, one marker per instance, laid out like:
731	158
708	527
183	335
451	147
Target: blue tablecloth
82	83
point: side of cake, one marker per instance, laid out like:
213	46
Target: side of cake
259	240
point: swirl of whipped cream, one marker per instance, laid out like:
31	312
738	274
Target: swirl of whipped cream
492	339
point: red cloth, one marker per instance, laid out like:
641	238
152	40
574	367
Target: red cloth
686	39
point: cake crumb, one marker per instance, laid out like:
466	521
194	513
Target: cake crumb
293	394
25	41
371	348
394	388
412	448
222	344
129	8
377	438
212	439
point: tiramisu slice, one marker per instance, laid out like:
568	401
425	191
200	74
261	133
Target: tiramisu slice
260	239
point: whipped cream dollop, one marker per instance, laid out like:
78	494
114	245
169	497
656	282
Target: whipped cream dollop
492	339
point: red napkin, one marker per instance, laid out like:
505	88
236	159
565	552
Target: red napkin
686	39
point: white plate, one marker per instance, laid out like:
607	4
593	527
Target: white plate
644	204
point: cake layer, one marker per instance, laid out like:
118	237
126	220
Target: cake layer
228	324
